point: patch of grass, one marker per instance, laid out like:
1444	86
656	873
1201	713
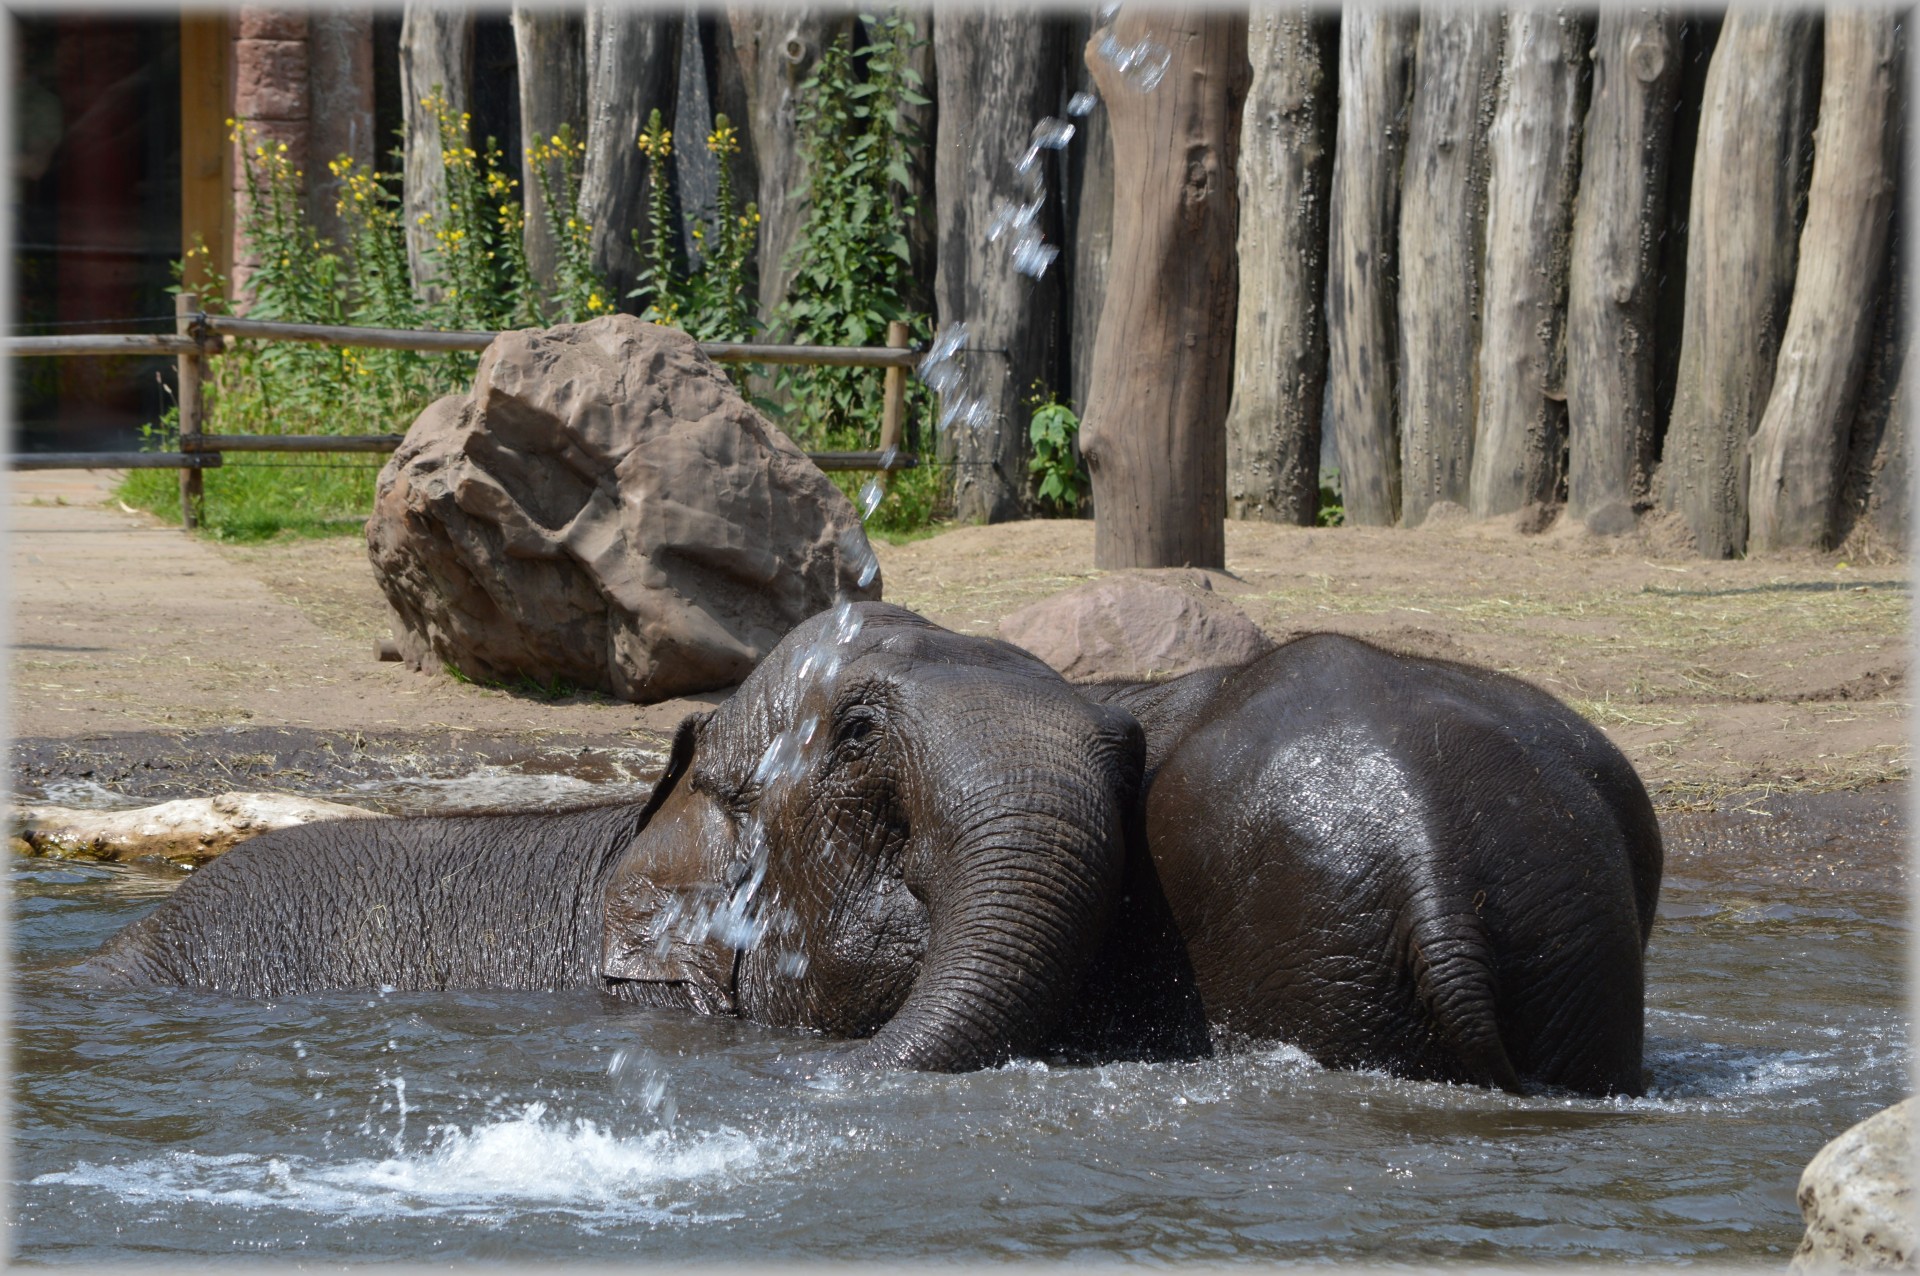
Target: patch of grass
259	500
525	685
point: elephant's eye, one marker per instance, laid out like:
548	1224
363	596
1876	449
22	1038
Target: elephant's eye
857	724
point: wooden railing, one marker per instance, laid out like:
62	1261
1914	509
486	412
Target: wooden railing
199	336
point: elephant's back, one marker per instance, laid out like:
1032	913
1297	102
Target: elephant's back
1408	862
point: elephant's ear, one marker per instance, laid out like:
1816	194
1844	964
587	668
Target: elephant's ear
657	884
686	737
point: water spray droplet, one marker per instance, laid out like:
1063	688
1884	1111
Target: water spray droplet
1081	104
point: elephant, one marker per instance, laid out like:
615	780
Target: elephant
889	832
1402	863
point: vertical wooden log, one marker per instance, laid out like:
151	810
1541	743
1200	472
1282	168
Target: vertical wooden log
893	403
999	76
1442	229
186	308
632	58
923	229
436	50
341	41
553	91
1280	341
1088	215
777	49
206	179
1533	153
1615	272
1800	447
1154	438
1748	180
1889	512
1376	85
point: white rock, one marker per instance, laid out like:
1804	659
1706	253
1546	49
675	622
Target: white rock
1857	1197
187	829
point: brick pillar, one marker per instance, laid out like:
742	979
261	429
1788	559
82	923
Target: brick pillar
272	98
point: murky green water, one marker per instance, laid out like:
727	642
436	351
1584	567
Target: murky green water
155	1125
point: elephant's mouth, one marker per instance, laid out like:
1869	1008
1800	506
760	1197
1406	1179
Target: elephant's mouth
675	936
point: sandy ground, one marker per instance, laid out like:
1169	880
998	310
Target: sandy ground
1714	677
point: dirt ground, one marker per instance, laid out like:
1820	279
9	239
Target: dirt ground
1714	677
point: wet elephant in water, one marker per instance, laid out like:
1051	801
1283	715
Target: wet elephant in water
1403	863
889	832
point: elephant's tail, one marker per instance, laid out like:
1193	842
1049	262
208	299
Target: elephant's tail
1454	974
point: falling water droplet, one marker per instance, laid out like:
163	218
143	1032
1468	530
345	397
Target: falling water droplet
1081	104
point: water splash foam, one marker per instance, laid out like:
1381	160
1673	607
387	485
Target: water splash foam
528	1160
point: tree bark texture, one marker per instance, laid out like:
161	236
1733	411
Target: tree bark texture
632	60
923	229
1889	512
999	75
1089	217
1280	342
436	52
1533	148
341	47
1442	228
1800	446
1154	438
777	49
1615	272
1376	86
553	91
1748	190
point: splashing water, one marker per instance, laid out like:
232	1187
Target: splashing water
1142	64
746	921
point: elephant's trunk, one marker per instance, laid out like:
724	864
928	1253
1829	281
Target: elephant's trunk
1021	894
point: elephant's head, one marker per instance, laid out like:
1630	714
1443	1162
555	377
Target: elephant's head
901	833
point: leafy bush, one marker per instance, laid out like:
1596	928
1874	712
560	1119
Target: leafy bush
854	282
1060	482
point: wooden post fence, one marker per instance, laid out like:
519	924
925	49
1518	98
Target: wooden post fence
198	336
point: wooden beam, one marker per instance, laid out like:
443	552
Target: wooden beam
206	181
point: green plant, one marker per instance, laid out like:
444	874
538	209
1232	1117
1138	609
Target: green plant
1060	482
479	252
850	258
579	291
1331	513
659	279
720	301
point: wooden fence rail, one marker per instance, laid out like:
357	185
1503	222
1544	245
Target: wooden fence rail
199	336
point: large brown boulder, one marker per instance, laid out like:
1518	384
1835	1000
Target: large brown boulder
604	509
1144	625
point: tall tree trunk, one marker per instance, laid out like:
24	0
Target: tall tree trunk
436	51
1533	152
922	122
999	76
1280	342
1442	229
1363	283
1800	447
1614	276
1748	184
1889	513
341	45
632	61
1154	438
1089	216
553	91
777	49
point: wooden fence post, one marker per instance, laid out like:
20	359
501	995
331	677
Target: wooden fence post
893	409
186	311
